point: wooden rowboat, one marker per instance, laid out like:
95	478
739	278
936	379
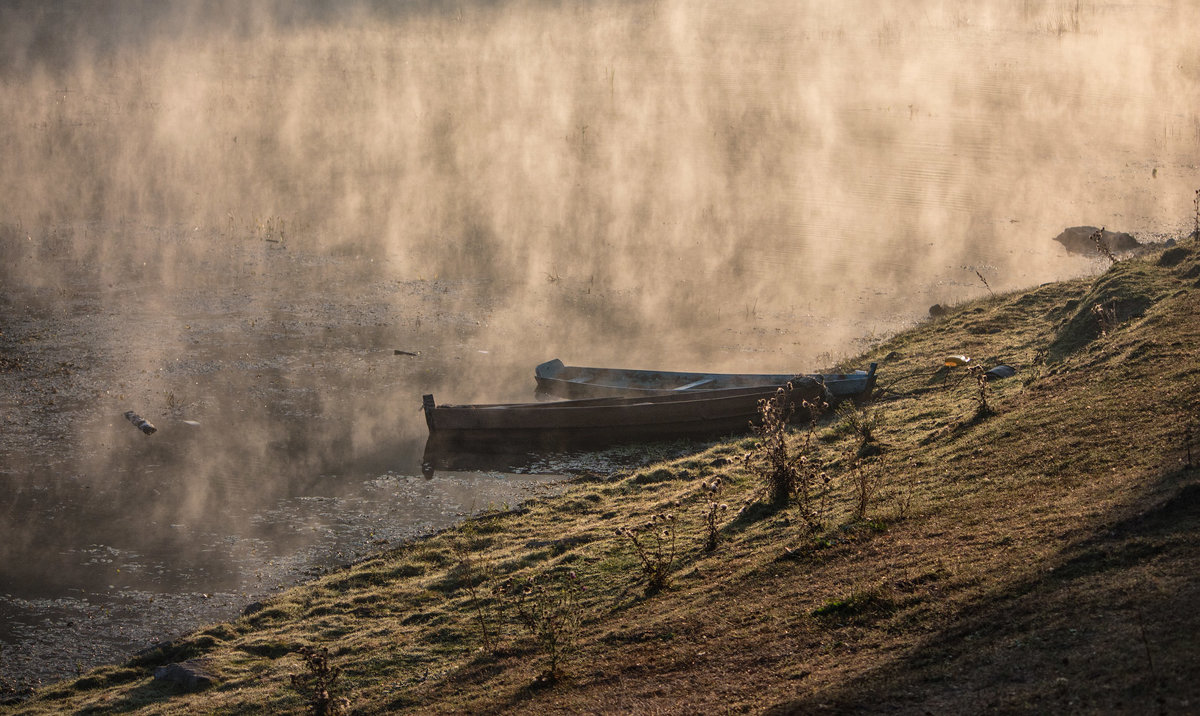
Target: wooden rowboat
565	381
596	421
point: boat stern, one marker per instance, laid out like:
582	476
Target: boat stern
870	387
549	369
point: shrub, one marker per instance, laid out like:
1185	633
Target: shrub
862	424
789	471
982	408
473	575
654	543
318	685
1106	317
548	606
866	481
711	513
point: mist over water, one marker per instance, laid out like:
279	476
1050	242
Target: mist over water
231	213
770	151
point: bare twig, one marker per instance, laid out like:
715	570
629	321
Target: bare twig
985	283
481	615
1196	229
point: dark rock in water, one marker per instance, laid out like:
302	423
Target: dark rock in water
937	310
190	675
1078	240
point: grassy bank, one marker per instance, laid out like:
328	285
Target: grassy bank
1023	544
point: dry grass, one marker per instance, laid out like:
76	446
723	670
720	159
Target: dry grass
1039	560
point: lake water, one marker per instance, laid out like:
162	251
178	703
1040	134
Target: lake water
289	440
231	222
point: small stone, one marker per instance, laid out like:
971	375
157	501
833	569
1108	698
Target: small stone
253	608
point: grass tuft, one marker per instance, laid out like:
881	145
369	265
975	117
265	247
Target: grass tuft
861	605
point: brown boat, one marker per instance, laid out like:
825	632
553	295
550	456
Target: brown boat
596	421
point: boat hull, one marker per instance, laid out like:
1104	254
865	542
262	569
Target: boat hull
556	380
597	421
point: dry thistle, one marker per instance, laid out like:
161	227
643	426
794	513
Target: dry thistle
473	576
711	513
1196	229
788	470
1106	317
867	480
780	469
319	684
654	543
1098	239
982	408
549	606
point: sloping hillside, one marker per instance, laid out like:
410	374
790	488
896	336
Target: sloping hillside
1027	544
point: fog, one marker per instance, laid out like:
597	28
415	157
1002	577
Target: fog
233	213
712	159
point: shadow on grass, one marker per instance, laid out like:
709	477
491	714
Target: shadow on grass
753	513
147	694
1119	602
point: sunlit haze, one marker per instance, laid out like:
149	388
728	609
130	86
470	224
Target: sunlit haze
234	214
